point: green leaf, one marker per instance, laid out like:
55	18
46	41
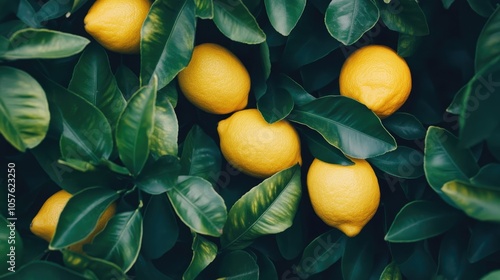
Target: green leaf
322	150
135	127
418	261
483	8
404	162
444	160
268	208
299	95
43	270
204	252
235	21
120	241
292	241
204	9
283	14
260	69
276	103
159	176
447	3
198	205
453	263
487	177
359	256
200	155
127	81
101	268
238	265
145	269
93	80
322	252
488	41
32	43
478	203
348	20
484	241
407	44
419	220
77	4
24	110
52	9
494	275
77	164
493	142
404	16
362	136
267	270
404	125
160	227
80	215
391	272
167	40
166	128
322	72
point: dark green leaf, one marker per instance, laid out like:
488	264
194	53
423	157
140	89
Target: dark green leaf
458	101
170	93
487	177
204	9
198	205
276	104
116	168
322	150
200	155
405	125
127	81
447	3
268	208
159	176
135	127
32	43
493	142
204	252
478	203
166	128
419	220
348	20
43	270
267	270
120	241
77	4
404	16
53	9
299	95
260	70
77	164
292	241
484	241
93	80
283	14
482	7
418	262
453	263
444	160
80	215
101	268
160	227
167	40
25	116
322	72
236	22
359	256
26	12
145	269
489	39
362	136
238	265
391	272
404	162
407	44
322	252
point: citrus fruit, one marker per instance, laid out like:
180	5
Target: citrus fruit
215	80
116	24
377	77
256	147
45	221
344	197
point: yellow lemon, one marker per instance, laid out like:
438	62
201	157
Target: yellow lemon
45	221
116	24
256	147
344	197
377	77
215	80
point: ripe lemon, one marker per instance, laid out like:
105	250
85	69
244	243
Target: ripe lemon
256	147
45	222
377	77
344	197
116	24
215	80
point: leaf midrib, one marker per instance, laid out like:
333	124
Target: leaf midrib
421	221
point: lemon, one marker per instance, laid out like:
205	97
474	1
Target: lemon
45	221
215	80
377	77
256	147
344	197
116	24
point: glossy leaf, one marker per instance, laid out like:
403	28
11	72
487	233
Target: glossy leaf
204	9
359	256
407	44
299	95
101	268
453	263
32	43
80	215
362	136
268	208
447	3
418	261
166	128
488	176
120	241
275	105
444	160
494	275
260	69
404	125
478	203
323	150
126	80
238	265
93	80
420	219
44	270
391	272
25	116
77	164
167	40
404	162
159	176
484	241
404	16
204	252
198	205
53	9
322	252
482	8
489	39
267	269
135	127
293	240
236	22
348	20
284	15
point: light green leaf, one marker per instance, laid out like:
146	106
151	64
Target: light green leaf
404	16
268	208
348	20
159	176
238	265
166	128
488	41
404	162
405	125
77	164
24	109
204	252
391	272
167	40
362	136
236	22
198	205
33	43
283	14
494	275
204	9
